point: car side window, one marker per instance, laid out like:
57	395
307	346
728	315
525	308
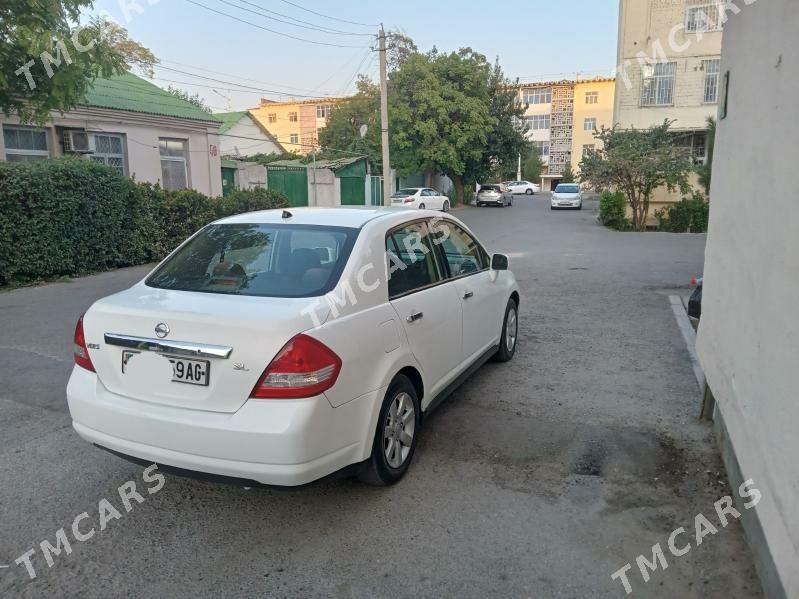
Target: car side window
462	254
411	260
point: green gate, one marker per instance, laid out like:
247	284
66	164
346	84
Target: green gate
353	191
228	180
291	182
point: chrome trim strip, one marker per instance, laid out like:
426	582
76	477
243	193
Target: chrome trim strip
177	348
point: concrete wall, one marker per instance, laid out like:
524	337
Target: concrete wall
233	144
748	340
141	133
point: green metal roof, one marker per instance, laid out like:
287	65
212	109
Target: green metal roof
333	165
134	94
229	119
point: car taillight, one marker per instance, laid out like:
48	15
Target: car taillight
409	199
80	351
303	368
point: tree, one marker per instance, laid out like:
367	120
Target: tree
636	162
47	65
533	167
344	127
192	99
568	174
705	171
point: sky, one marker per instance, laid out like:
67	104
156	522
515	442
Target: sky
533	39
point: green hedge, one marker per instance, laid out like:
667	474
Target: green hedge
70	217
689	215
613	210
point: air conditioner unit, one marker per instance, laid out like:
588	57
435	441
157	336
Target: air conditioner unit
78	142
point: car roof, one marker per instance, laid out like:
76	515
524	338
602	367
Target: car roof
355	217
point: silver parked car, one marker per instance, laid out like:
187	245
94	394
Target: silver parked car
567	195
495	194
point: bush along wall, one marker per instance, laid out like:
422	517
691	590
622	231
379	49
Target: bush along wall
613	211
689	215
68	217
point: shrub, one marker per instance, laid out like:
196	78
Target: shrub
69	216
687	215
613	210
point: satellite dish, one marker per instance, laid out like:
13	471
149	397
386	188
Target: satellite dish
364	129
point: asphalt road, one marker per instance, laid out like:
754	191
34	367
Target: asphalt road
538	478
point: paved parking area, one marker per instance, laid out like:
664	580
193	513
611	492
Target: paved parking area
538	478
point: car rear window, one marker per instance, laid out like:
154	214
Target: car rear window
402	193
567	189
268	260
489	188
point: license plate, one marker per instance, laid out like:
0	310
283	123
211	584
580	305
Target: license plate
184	370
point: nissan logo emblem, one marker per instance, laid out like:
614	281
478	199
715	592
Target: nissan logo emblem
161	330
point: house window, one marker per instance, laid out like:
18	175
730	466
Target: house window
109	150
293	118
542	147
25	143
712	69
324	111
589	124
272	117
538	95
294	139
703	16
591	97
538	121
658	84
174	172
588	148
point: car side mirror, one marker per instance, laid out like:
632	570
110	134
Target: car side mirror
499	262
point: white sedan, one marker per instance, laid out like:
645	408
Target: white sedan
283	346
421	198
526	187
567	195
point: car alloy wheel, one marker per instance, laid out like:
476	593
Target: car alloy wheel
399	427
446	206
511	330
510	333
529	192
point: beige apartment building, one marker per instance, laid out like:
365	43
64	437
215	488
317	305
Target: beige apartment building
296	123
669	68
562	117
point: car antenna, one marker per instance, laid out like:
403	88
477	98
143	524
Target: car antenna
287	214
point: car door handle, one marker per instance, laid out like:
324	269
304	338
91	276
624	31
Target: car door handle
415	316
468	294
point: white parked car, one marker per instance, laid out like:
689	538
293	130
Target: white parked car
421	198
525	187
283	346
494	194
567	195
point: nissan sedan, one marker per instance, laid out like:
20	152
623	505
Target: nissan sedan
284	346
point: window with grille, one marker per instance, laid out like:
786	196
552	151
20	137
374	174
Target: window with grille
703	16
538	95
539	121
294	138
174	171
25	143
110	151
591	97
658	84
293	117
712	70
272	117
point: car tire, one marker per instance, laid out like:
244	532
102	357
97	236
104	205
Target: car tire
529	192
391	457
480	204
510	202
510	333
445	207
421	206
580	207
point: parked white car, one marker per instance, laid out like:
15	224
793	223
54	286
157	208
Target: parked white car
567	195
284	346
422	198
526	187
494	194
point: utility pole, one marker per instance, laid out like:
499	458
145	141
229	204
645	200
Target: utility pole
384	119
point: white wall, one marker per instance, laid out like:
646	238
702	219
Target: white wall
232	142
749	335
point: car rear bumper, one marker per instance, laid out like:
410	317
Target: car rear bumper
275	442
496	201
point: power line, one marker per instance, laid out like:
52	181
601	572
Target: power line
318	14
250	23
306	25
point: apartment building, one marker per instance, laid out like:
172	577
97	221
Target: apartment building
295	124
562	117
668	68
